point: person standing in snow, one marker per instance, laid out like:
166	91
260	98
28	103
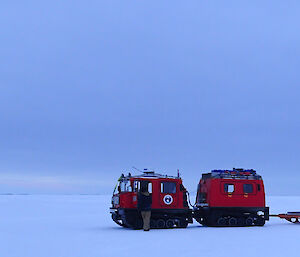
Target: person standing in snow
144	205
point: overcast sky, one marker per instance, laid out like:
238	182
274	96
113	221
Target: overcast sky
89	89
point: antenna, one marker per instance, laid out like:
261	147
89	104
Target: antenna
137	169
178	174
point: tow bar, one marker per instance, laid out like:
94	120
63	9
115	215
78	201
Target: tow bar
293	217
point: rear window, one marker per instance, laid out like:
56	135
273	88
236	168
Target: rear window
228	188
248	188
168	187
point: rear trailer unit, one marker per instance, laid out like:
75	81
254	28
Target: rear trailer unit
231	198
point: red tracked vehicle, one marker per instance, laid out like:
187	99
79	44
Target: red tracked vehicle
231	198
169	201
224	198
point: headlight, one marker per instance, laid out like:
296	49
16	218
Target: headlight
115	200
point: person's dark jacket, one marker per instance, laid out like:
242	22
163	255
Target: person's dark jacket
144	201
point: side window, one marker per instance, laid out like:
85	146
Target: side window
129	188
136	186
168	187
248	188
228	188
150	187
123	187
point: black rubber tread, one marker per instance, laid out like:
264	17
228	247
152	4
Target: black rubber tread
222	221
153	223
249	221
241	222
170	223
161	223
232	222
183	223
260	221
208	216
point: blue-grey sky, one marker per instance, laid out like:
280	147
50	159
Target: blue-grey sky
90	88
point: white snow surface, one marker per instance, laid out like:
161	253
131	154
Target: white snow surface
81	226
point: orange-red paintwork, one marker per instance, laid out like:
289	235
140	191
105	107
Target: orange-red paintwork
217	197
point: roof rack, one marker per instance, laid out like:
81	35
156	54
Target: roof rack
235	174
150	174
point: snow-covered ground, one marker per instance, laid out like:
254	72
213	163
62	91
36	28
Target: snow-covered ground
73	226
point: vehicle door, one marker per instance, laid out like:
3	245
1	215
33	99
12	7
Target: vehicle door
168	194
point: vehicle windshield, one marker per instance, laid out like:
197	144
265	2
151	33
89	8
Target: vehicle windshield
125	186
